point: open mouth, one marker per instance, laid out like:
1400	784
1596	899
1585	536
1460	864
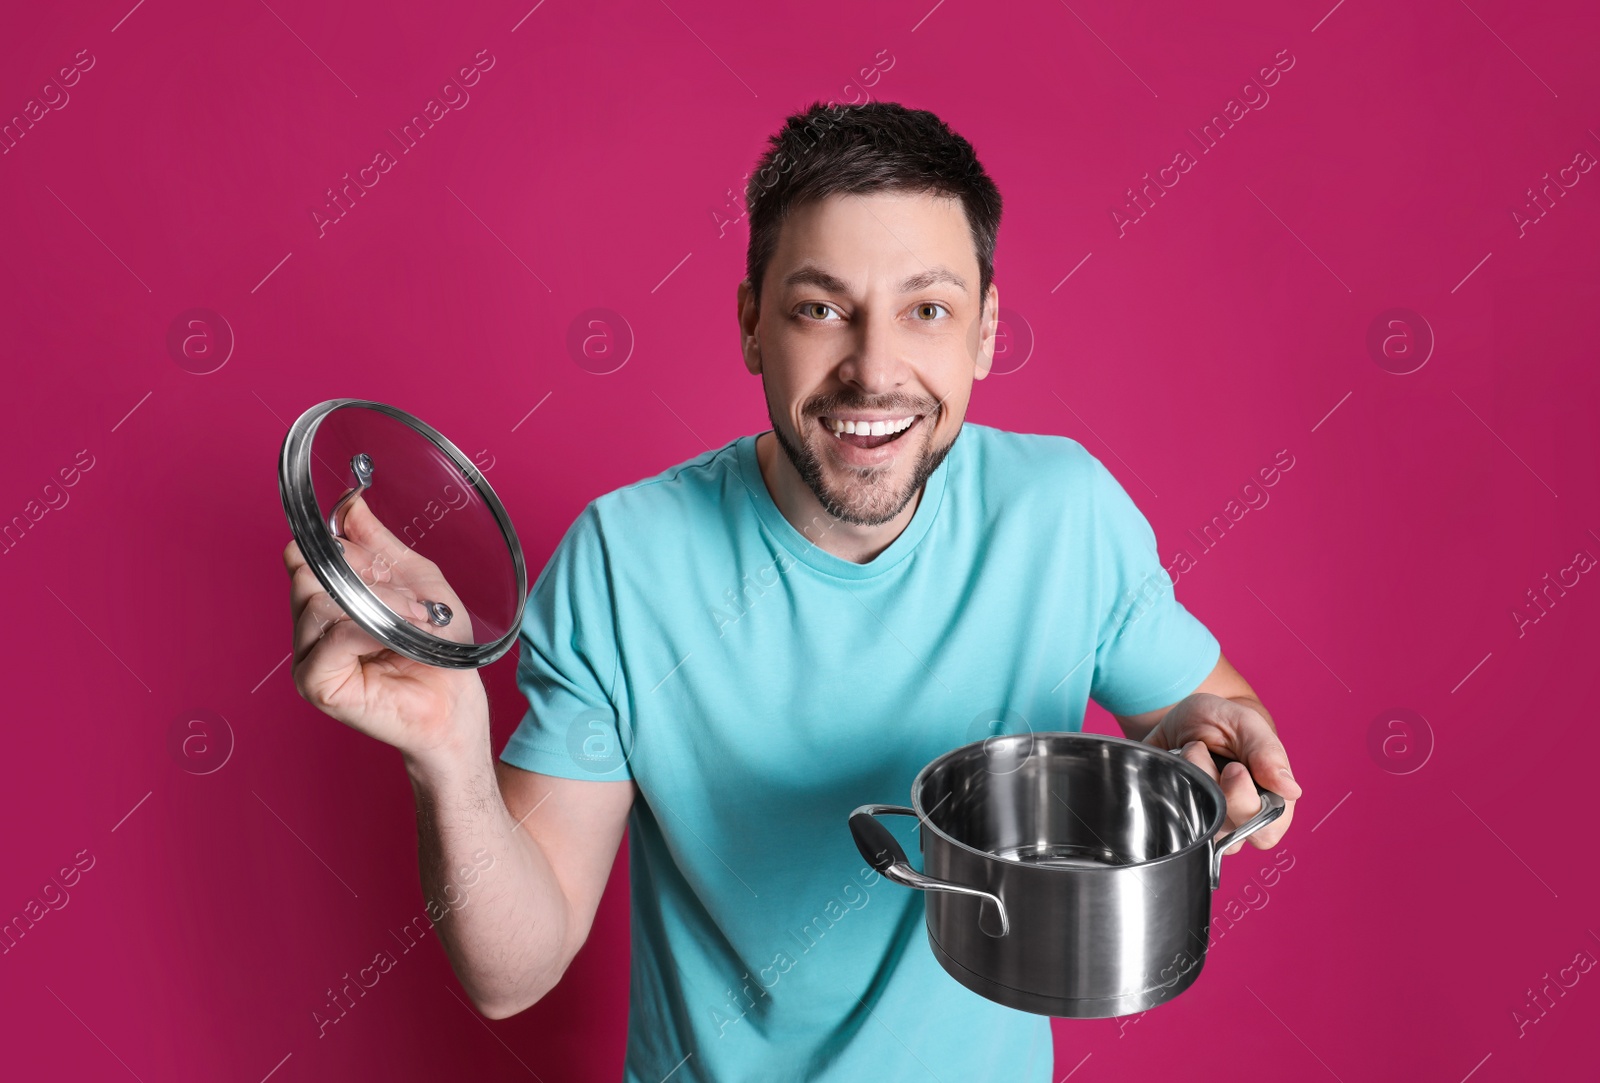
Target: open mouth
872	433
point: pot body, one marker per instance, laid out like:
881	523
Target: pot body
1084	942
1066	874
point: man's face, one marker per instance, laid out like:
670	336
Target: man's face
869	321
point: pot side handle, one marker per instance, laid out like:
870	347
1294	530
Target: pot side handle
884	854
1272	806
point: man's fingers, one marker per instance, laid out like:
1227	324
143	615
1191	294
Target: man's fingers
371	566
377	556
1260	750
1243	801
1268	836
1198	754
1245	737
370	563
407	573
1269	763
321	612
303	586
1238	789
368	531
314	610
318	616
372	569
1261	760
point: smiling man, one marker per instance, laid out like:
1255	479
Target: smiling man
728	657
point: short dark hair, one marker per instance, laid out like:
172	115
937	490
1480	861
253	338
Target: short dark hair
874	146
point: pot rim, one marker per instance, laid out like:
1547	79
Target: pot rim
1206	836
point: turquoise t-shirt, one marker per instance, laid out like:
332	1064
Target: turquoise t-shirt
757	688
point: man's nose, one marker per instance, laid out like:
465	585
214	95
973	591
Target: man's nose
875	366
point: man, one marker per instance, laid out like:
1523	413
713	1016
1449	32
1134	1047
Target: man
729	657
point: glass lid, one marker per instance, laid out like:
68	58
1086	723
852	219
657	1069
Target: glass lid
404	532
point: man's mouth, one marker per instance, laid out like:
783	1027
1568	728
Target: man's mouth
866	432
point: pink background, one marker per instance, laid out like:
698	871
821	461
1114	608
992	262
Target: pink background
586	171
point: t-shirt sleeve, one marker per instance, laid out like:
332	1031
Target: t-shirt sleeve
568	666
1151	651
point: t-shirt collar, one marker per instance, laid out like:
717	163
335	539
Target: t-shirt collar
806	550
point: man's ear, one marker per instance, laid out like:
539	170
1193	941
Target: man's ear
988	327
749	315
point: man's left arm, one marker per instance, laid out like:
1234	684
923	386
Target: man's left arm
1224	715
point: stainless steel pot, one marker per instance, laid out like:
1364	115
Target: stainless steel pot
1067	874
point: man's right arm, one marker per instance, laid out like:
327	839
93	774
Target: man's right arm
540	849
530	853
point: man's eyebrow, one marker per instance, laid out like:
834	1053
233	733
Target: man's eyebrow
809	275
929	277
814	276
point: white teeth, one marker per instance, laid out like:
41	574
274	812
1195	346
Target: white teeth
873	428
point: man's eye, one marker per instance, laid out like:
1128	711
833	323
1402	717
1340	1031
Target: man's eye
816	310
922	310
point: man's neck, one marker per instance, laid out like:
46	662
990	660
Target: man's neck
800	506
